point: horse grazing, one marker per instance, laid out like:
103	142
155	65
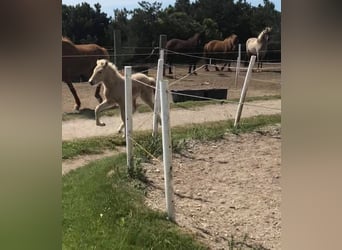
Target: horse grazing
78	62
189	47
258	46
114	89
217	49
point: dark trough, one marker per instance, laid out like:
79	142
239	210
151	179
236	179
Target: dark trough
195	95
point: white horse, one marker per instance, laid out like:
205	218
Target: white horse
258	46
114	89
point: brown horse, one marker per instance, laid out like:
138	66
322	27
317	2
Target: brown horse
114	89
217	49
78	62
189	47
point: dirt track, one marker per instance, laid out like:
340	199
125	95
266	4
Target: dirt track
82	128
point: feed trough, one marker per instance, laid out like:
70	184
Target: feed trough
195	95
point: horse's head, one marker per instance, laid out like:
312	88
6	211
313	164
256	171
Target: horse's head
266	33
268	29
98	72
201	38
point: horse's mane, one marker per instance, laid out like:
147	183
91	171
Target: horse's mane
265	31
231	37
103	62
195	36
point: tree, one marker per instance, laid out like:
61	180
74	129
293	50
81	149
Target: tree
83	24
183	6
144	23
142	26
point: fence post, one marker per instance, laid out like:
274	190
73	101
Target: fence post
162	53
162	45
156	110
244	90
128	116
114	46
167	149
237	71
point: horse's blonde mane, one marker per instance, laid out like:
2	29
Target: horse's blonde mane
265	31
105	62
231	37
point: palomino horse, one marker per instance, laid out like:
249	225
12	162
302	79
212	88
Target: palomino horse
217	49
78	62
114	89
258	46
189	47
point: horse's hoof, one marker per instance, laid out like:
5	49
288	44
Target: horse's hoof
101	124
77	108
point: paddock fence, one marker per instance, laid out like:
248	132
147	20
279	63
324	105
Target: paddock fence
153	60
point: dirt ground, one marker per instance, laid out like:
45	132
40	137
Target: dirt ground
225	188
261	83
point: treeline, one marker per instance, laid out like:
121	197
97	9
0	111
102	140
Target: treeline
142	26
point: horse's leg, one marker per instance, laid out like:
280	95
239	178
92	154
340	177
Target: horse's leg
147	97
258	61
213	62
73	92
170	61
224	65
206	65
193	71
102	106
229	69
97	93
170	68
134	106
123	117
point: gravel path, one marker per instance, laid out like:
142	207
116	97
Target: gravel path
83	128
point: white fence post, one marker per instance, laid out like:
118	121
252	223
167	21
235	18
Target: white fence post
167	149
244	90
128	115
157	96
237	71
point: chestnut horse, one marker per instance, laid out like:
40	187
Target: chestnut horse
258	46
217	49
78	62
113	81
190	47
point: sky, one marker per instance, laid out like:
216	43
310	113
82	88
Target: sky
108	6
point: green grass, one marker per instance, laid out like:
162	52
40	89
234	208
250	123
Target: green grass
94	145
107	212
180	135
